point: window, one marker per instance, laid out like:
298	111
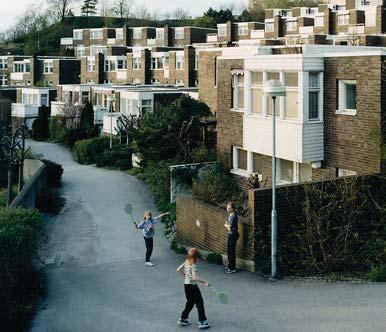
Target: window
291	79
196	60
155	81
305	172
80	52
292	25
291	104
146	105
179	82
97	49
90	64
222	31
18	67
3	80
78	34
179	33
121	64
195	83
119	34
370	18
242	30
48	67
179	62
96	34
27	68
273	76
313	96
285	173
3	64
242	159
160	34
365	2
137	33
345	172
269	27
257	92
157	63
136	63
44	99
238	92
347	98
343	19
319	21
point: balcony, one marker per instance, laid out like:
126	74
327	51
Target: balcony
110	123
17	76
20	110
57	108
257	34
356	29
99	113
308	30
66	41
211	38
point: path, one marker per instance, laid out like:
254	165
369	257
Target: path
97	280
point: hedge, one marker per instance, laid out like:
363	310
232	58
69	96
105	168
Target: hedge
21	234
87	151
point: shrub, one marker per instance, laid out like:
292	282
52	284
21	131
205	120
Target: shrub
118	157
57	130
378	274
54	173
214	258
215	187
203	154
87	116
158	179
87	151
40	127
73	135
174	245
21	234
3	197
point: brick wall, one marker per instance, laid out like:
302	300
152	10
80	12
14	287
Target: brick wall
212	235
350	140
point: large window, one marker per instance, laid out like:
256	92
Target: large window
78	34
273	76
292	25
179	62
119	34
179	33
196	60
269	26
313	96
80	52
157	63
136	63
160	34
96	34
44	99
222	31
347	96
288	171
90	64
319	21
242	30
121	64
3	64
48	67
242	159
137	33
3	80
257	92
238	92
146	105
343	19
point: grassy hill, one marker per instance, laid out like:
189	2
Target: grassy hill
49	38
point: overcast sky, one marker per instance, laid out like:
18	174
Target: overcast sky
12	8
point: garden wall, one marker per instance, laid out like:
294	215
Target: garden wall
211	235
34	176
323	227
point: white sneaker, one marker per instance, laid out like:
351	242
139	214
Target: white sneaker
204	325
149	264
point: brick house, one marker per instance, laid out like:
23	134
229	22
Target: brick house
328	125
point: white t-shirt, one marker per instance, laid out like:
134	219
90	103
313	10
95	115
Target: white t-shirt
189	269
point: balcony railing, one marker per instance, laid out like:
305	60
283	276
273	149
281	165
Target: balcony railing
66	41
20	110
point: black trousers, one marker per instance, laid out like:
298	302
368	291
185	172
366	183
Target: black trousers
149	247
232	241
193	297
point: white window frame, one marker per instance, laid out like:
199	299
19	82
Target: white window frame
222	30
269	26
236	85
77	34
180	82
292	25
314	89
319	21
343	19
3	64
124	65
342	106
48	67
155	81
180	62
370	18
242	30
137	33
119	34
3	80
137	63
96	34
159	34
179	33
90	64
80	52
196	60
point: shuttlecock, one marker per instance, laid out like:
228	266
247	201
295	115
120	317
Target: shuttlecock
198	222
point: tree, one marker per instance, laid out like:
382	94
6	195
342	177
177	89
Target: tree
180	14
89	7
122	8
61	9
170	132
40	127
87	116
220	16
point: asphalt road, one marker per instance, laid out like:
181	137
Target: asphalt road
97	280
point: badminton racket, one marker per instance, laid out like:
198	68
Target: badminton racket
220	295
129	210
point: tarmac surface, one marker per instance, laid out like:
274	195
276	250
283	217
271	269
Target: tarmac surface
97	280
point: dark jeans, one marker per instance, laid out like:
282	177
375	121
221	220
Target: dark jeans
232	241
193	297
149	247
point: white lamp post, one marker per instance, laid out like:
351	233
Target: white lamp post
110	100
274	88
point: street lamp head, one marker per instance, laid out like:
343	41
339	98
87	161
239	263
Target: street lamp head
274	88
111	98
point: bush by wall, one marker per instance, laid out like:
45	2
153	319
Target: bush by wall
21	234
54	173
40	127
118	157
87	151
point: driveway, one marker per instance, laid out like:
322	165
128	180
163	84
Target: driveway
97	280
